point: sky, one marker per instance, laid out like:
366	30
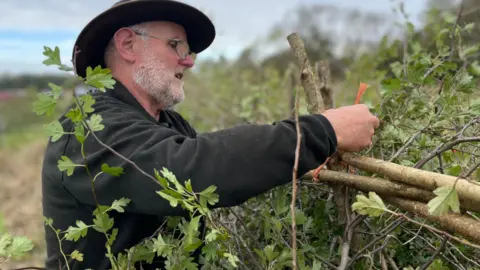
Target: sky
28	25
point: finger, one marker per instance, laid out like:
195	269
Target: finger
376	122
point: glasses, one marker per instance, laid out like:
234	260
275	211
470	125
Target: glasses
180	46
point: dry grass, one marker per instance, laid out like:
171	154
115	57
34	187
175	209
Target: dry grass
21	198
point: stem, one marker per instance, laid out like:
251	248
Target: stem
294	183
60	247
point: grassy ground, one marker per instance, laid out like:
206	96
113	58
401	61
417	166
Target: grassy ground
20	194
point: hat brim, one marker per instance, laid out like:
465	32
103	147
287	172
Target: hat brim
94	37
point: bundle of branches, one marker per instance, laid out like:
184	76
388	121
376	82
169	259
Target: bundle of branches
445	200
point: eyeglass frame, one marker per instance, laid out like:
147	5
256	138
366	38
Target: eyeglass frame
177	40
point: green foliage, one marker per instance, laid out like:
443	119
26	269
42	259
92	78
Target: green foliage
446	199
425	92
13	246
372	206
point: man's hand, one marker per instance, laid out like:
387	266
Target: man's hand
354	126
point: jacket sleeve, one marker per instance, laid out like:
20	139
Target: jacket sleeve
242	162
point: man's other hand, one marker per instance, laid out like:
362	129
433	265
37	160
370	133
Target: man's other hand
354	126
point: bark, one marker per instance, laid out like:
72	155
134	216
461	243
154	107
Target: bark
455	223
325	82
314	100
382	187
467	191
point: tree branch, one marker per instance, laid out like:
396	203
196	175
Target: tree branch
465	226
382	187
445	147
466	190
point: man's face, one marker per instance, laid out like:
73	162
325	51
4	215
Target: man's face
159	69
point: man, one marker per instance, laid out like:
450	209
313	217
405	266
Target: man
147	45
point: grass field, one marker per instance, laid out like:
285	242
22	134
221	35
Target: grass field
20	193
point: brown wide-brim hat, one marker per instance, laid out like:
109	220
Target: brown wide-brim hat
95	36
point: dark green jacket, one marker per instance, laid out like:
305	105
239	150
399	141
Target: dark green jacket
243	162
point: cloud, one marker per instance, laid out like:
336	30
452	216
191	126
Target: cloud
27	25
45	15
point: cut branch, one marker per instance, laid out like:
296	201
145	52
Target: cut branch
382	187
465	226
314	100
415	177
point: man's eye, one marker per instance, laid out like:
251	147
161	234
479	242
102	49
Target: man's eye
173	44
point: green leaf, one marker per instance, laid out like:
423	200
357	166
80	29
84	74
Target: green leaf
54	130
163	182
143	253
45	104
19	246
446	199
455	170
210	251
372	206
99	78
76	255
56	90
86	102
209	195
80	132
232	259
75	115
103	222
75	233
316	265
95	122
53	56
270	253
160	247
173	201
5	241
119	204
211	236
188	186
66	164
113	236
173	179
114	171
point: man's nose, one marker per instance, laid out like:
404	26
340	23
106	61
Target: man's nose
188	61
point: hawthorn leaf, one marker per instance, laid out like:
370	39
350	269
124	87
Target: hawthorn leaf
99	78
119	204
45	104
446	199
19	246
75	233
66	164
56	90
86	102
54	130
95	122
372	206
113	171
232	259
76	255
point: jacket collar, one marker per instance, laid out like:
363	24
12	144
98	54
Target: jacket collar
121	93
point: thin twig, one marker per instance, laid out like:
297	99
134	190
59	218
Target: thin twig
294	183
407	144
437	251
390	260
445	147
471	170
392	227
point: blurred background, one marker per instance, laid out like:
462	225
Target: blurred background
239	79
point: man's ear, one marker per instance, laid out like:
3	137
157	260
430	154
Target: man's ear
124	40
